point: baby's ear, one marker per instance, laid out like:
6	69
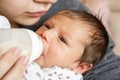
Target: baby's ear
83	67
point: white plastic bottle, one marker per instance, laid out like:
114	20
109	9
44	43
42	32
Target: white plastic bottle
29	42
4	23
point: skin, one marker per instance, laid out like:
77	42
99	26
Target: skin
62	46
14	65
24	12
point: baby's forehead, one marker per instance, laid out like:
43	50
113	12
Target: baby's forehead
84	26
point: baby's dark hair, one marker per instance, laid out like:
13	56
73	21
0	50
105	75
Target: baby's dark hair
96	47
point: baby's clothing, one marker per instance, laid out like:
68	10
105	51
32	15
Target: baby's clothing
34	72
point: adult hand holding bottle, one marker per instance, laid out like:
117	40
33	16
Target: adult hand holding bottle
14	65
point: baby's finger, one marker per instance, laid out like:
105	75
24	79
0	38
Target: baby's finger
8	60
17	72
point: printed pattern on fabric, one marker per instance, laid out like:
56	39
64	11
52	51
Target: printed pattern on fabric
34	72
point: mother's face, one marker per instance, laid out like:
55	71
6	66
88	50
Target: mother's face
25	12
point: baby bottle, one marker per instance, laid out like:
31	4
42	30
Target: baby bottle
4	23
29	42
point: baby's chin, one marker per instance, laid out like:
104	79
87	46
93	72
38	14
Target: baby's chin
40	61
39	58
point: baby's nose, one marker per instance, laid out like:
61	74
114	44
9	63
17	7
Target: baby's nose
49	35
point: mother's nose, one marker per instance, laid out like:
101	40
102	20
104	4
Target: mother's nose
46	1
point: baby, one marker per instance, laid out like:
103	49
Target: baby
74	42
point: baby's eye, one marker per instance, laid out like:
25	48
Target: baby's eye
62	39
46	26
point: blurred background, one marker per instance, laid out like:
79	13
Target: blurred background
115	23
109	10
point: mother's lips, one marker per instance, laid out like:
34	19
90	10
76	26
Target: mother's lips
36	14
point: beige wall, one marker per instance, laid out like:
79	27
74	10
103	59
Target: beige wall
115	23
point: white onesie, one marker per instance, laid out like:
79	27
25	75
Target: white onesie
34	72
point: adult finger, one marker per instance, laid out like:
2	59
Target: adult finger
8	60
17	72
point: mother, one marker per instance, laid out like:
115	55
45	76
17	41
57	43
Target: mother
107	69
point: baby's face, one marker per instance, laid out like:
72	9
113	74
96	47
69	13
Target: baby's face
63	41
24	12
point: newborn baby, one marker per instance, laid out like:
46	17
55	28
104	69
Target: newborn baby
34	71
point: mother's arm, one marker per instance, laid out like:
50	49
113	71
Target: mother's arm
12	65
